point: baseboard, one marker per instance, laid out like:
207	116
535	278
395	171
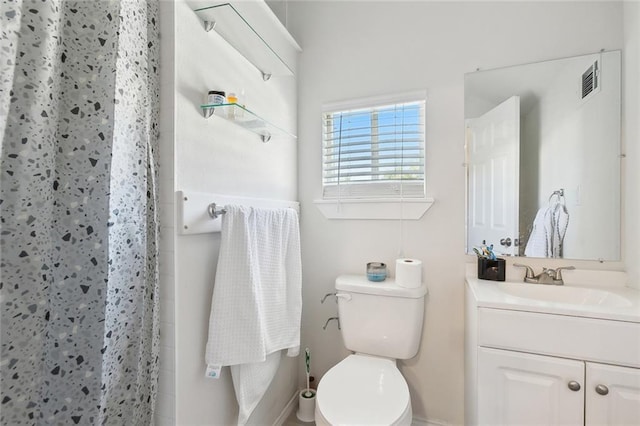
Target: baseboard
287	410
422	422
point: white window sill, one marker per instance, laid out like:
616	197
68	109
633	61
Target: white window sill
381	209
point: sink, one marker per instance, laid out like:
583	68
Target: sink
565	294
591	294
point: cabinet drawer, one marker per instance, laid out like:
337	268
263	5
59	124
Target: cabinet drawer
605	341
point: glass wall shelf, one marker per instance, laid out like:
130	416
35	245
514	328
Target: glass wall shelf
228	22
242	117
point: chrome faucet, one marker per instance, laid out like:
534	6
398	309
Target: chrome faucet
547	276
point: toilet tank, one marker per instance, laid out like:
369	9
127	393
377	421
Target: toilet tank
380	318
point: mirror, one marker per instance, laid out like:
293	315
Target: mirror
542	146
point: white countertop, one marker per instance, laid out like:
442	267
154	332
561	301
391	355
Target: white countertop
495	294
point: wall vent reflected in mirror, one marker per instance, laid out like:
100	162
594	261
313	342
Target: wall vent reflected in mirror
590	80
532	130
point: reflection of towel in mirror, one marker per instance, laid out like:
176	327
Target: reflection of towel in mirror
560	225
539	243
257	299
547	235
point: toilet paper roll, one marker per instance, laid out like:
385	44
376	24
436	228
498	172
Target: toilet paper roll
409	273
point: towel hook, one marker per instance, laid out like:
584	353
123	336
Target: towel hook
214	212
558	193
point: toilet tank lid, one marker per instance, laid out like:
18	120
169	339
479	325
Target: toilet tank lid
388	287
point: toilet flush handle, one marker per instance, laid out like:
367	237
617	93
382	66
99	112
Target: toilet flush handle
345	296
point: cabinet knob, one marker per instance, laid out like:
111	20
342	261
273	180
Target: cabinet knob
602	390
574	386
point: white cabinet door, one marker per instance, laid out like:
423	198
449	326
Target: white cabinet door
516	388
612	395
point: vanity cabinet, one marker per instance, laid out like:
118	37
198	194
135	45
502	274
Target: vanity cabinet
528	366
516	388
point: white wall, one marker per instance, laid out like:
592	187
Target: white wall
215	156
359	49
631	132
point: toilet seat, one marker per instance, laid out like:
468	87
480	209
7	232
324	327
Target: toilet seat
363	390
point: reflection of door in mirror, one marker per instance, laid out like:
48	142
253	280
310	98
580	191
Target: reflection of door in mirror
493	148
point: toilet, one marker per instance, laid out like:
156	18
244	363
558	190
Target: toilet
380	322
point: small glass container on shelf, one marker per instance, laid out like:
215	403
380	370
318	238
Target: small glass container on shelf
233	113
215	97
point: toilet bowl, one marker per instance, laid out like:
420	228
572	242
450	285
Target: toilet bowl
363	390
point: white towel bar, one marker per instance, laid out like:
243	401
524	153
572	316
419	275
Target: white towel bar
197	209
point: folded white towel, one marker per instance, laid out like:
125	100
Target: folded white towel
257	300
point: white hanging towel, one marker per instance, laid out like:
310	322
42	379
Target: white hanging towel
257	299
547	235
560	225
539	243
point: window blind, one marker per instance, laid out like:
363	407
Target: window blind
375	152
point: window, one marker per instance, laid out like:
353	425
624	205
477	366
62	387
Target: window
374	148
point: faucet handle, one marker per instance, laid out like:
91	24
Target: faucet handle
529	273
550	272
559	271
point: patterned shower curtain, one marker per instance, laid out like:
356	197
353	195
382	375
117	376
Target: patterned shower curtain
78	217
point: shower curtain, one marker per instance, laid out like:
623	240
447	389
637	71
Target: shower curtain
79	229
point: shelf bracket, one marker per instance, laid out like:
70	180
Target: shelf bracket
209	25
265	76
207	112
265	138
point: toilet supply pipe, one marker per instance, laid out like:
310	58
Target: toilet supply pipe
307	361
